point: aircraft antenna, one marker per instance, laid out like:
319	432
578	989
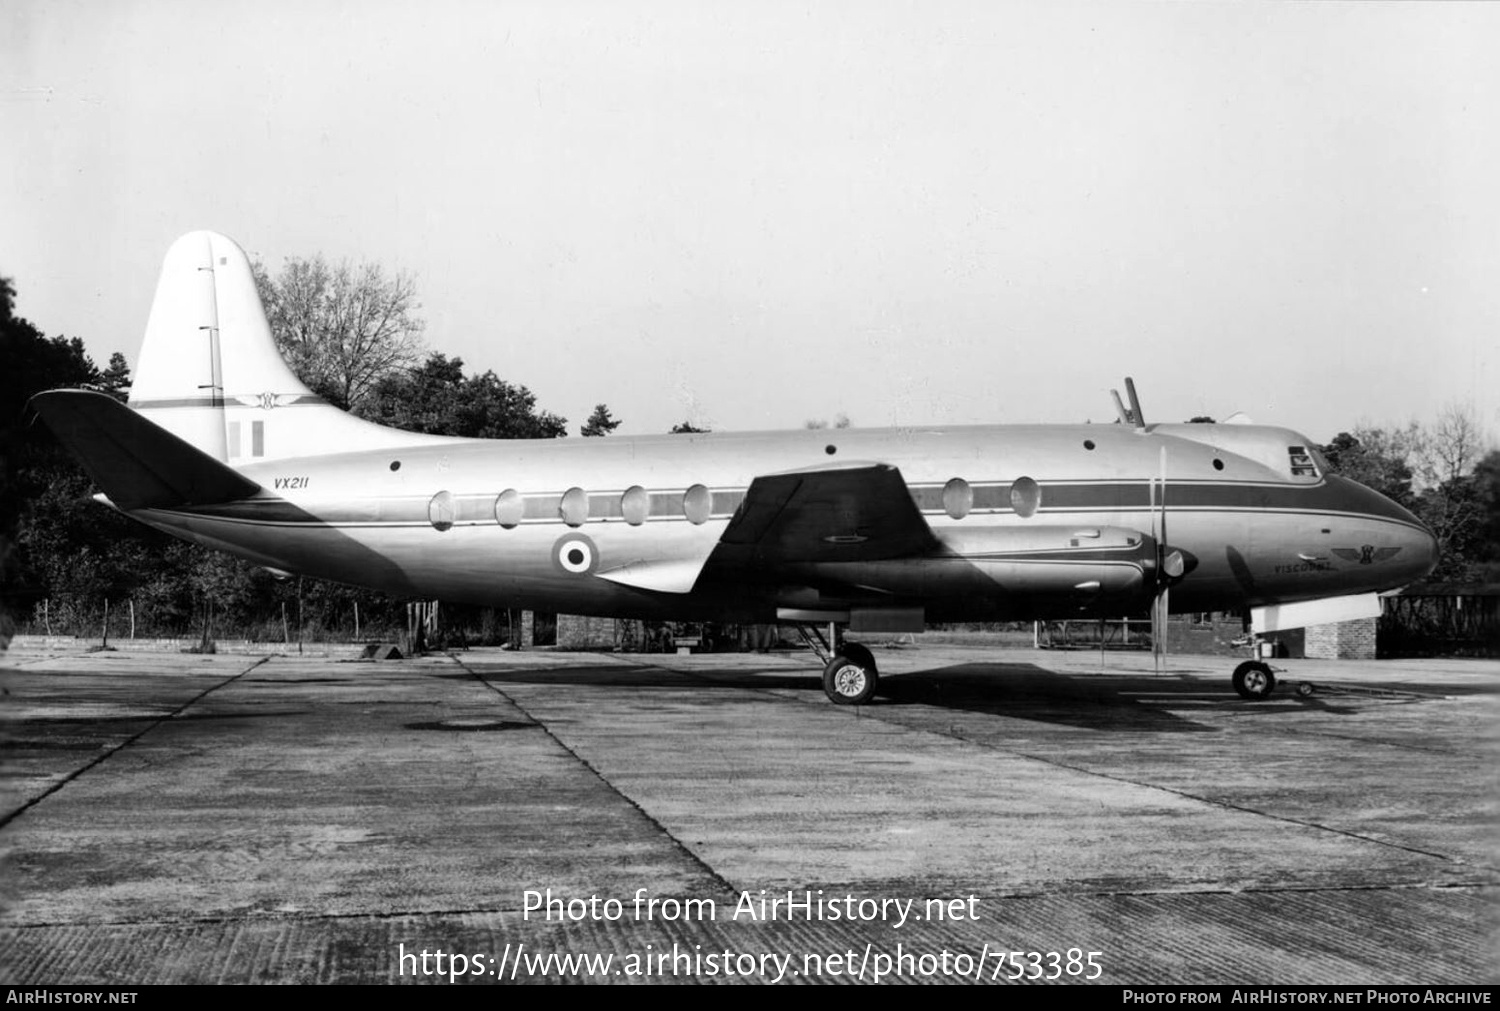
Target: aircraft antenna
1135	404
216	380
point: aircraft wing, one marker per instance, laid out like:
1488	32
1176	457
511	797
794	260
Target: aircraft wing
135	463
852	513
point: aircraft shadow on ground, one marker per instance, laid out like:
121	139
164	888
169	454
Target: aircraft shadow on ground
643	677
1018	691
1115	702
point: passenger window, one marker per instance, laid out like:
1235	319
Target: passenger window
1025	497
509	508
574	508
958	498
635	505
697	503
441	511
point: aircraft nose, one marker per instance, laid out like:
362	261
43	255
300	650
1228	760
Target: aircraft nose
1420	552
1399	547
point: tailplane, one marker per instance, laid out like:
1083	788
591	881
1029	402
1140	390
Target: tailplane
135	463
210	373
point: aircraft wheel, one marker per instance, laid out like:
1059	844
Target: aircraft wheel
859	654
1254	680
1305	689
848	682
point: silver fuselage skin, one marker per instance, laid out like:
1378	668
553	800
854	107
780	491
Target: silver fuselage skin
427	521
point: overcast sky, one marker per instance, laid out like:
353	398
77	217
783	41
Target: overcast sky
752	215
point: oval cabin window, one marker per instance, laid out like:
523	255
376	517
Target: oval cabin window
958	498
1025	497
635	505
441	511
574	508
697	504
509	508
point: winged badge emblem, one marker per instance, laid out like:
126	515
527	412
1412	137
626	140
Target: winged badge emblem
266	401
1366	554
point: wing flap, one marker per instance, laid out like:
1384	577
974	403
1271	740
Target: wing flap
137	464
857	512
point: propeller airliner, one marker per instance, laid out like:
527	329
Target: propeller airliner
865	531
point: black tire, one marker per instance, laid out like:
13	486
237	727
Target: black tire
1254	680
860	655
847	682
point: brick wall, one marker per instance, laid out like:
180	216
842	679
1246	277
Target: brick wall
1344	640
578	632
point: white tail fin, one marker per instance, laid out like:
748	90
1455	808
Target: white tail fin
209	371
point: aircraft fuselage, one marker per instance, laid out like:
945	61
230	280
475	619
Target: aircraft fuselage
1029	521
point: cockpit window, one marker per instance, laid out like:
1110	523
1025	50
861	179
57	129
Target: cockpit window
1303	462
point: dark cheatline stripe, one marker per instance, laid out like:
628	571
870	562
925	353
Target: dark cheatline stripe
209	401
1335	495
541	507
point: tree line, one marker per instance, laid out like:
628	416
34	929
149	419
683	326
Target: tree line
354	336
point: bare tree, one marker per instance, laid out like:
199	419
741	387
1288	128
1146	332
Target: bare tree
1452	446
342	328
1432	471
1454	503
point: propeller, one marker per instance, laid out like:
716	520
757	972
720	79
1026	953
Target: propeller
1170	567
1159	601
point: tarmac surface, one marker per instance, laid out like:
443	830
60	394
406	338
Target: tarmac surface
614	818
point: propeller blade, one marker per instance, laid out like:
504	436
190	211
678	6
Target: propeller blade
1159	606
1161	544
1159	611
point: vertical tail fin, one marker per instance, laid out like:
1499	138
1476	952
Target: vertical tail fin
210	373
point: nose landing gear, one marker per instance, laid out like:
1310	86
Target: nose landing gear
1254	680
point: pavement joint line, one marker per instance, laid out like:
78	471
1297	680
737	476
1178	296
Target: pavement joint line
105	756
1124	893
1227	805
714	875
1448	858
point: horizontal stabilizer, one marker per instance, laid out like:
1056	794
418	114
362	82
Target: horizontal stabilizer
137	464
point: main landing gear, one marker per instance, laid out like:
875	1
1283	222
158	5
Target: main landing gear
849	674
849	679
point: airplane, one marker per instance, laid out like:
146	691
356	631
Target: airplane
862	531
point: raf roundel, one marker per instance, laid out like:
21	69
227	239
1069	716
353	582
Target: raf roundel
575	554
